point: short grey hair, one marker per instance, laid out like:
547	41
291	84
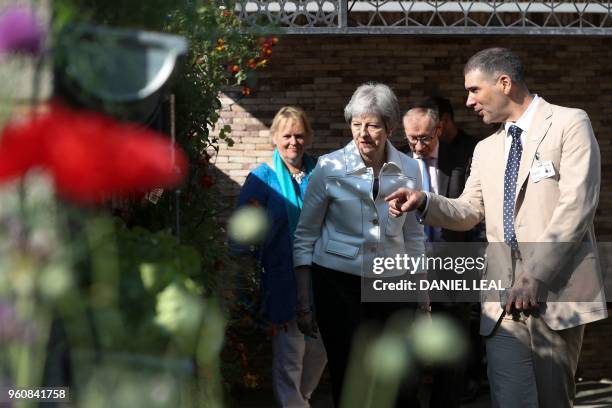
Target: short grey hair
427	106
497	61
430	113
374	99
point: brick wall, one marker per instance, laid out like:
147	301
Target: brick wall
321	73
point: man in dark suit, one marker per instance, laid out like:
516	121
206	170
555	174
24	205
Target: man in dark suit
433	137
444	154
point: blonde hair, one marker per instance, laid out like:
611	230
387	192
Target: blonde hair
291	112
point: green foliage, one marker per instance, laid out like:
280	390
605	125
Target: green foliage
222	53
150	262
123	275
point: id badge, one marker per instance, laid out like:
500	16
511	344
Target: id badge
542	170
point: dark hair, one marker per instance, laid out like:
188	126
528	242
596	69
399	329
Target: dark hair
496	61
444	106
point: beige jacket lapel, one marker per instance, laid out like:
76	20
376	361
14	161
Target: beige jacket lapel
539	127
498	165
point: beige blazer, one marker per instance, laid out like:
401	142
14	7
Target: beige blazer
553	216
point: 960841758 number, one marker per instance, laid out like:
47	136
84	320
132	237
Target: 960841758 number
37	394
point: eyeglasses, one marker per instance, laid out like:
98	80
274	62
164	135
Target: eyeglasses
412	141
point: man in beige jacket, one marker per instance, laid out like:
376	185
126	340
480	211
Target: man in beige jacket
536	183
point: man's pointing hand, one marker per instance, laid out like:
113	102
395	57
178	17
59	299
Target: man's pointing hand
404	200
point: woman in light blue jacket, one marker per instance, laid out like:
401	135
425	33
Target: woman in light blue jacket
345	223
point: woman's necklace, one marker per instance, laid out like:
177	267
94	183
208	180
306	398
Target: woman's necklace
299	176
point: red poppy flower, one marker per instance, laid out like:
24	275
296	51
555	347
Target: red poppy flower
90	156
20	149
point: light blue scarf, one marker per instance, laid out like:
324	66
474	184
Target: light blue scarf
293	198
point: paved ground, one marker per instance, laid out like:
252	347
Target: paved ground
594	394
590	394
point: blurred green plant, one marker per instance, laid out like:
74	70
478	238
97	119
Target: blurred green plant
151	309
133	303
135	320
222	54
381	360
140	313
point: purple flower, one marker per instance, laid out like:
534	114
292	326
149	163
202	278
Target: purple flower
20	31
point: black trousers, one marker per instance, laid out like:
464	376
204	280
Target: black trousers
340	313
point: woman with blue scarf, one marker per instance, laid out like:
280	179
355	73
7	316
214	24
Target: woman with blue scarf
279	187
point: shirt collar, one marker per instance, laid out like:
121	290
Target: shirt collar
354	162
524	122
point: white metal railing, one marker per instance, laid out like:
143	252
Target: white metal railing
431	17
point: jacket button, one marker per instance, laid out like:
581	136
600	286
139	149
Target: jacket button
375	221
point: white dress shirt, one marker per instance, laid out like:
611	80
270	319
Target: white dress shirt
524	122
